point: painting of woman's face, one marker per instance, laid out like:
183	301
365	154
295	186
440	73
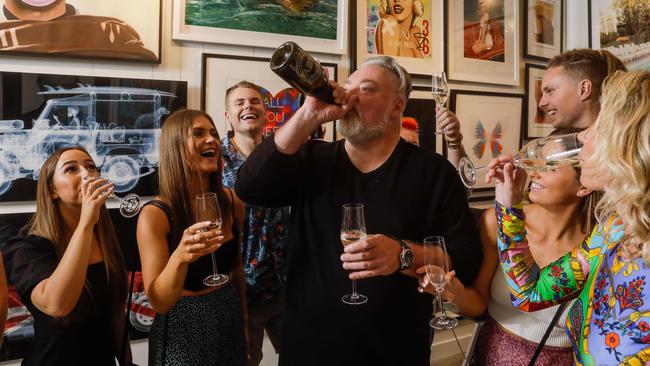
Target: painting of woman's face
401	9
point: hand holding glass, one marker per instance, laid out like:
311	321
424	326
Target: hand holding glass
437	266
207	209
353	228
130	204
440	91
538	155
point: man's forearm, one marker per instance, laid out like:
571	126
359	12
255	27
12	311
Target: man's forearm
290	137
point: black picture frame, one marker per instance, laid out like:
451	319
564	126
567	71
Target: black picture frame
117	119
532	129
528	48
108	26
212	96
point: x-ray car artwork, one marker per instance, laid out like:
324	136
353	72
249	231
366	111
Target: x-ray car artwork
117	122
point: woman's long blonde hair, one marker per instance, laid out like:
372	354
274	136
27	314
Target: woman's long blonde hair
48	223
623	151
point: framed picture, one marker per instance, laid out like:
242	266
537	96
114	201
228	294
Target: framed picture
544	26
622	28
491	125
118	29
482	41
319	26
536	122
422	109
117	120
219	72
413	35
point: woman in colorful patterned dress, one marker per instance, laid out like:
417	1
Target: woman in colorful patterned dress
609	322
560	215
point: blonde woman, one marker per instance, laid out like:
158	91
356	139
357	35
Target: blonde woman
607	273
68	267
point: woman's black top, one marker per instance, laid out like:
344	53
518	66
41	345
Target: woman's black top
85	337
202	267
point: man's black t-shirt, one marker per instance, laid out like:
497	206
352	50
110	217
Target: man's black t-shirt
414	194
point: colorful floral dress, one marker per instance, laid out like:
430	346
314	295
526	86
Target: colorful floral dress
609	322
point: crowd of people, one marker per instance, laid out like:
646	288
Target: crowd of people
562	248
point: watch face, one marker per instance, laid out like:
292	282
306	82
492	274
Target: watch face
407	258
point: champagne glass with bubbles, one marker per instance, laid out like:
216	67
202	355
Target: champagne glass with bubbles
538	155
440	90
437	266
207	209
353	228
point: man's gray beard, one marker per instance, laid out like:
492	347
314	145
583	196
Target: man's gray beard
352	128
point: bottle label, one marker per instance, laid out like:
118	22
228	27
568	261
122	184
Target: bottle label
307	67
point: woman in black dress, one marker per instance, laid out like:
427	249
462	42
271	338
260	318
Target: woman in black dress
195	324
68	267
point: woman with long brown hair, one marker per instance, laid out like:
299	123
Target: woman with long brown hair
195	324
68	267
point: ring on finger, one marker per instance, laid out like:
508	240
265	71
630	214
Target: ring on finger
194	238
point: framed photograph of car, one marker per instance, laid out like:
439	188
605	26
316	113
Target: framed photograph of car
544	26
117	120
482	41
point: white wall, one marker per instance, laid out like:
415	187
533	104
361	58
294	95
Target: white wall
182	61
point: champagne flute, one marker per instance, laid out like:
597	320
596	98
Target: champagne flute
440	91
538	155
353	228
437	266
207	209
130	204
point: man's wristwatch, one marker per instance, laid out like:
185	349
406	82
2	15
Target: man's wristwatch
406	256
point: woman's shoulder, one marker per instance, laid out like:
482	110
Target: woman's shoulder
155	212
28	247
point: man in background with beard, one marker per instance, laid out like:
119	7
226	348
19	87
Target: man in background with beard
408	194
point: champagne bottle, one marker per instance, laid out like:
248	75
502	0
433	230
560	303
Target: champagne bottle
302	71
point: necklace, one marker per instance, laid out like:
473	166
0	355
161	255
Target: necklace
406	34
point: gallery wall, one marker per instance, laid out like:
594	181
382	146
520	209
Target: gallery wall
183	61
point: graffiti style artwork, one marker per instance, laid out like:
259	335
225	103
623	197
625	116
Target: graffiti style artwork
111	29
117	120
280	100
279	107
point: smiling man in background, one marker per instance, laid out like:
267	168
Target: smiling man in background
572	84
265	229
